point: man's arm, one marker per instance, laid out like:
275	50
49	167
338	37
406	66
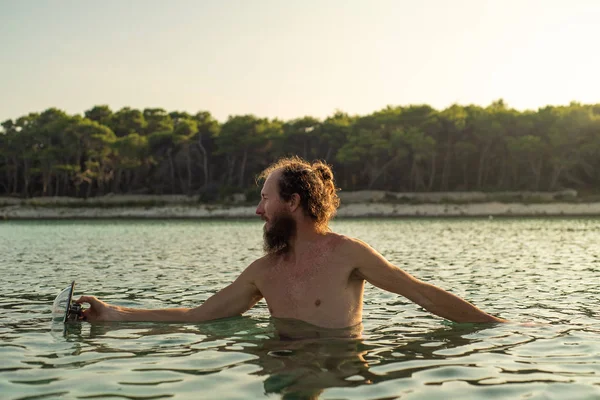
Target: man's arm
235	299
378	271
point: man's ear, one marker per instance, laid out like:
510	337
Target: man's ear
294	202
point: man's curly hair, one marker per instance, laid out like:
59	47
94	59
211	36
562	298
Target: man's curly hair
314	184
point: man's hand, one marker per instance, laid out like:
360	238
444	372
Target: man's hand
99	310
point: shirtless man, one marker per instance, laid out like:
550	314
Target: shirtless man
308	273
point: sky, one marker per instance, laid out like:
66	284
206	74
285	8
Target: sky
288	59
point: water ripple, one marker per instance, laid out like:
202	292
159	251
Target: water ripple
542	274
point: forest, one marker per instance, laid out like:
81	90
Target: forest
412	148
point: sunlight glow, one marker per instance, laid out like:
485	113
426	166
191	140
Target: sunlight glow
286	60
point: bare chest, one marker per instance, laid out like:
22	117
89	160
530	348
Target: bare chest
312	290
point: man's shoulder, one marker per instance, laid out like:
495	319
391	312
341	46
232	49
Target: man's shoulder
352	253
264	263
261	263
256	269
343	243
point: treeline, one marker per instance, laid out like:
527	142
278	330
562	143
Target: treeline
414	148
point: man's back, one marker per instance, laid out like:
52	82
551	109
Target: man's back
317	285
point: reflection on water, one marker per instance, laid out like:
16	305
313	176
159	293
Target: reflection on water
300	367
486	357
524	270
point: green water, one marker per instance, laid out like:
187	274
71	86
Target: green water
541	271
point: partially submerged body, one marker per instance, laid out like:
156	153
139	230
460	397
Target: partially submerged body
322	285
309	273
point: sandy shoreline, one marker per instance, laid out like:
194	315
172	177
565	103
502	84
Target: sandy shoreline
360	204
356	210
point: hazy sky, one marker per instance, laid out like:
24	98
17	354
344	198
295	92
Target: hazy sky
287	59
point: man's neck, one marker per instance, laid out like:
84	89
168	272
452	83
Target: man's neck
306	236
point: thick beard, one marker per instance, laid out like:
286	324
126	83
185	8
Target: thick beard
276	239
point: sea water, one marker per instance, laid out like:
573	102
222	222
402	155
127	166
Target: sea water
541	274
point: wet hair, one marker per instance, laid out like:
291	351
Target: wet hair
312	182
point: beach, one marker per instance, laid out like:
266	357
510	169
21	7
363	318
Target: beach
353	205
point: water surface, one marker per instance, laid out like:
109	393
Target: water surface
527	270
